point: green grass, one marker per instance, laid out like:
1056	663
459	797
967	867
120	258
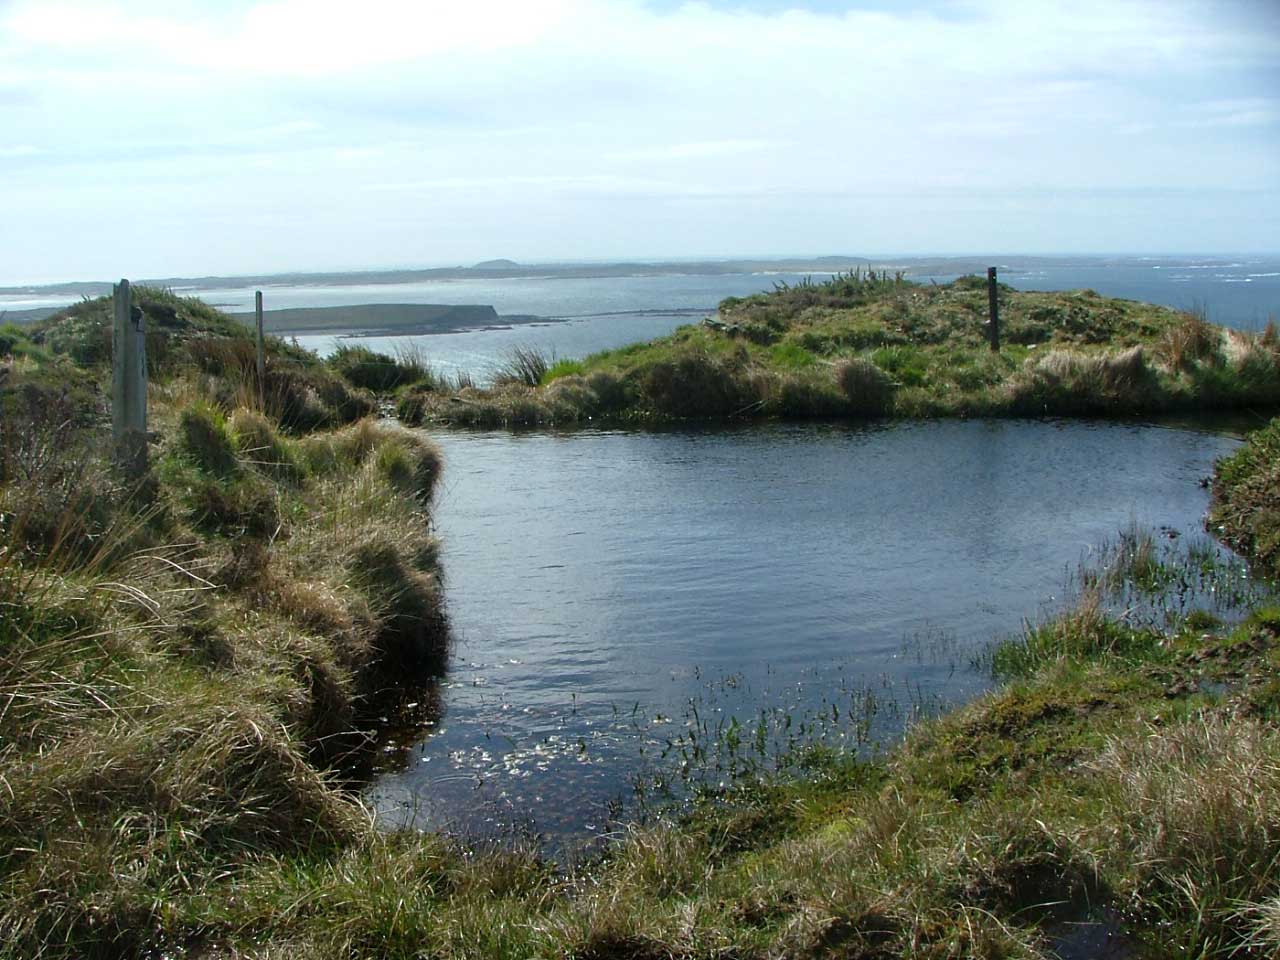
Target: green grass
380	372
188	657
779	355
1246	511
562	368
187	662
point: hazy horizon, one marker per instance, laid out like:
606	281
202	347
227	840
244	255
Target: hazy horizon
192	138
876	259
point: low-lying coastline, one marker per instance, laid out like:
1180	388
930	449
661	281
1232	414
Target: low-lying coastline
382	319
186	661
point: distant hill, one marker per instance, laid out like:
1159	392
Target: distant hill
488	269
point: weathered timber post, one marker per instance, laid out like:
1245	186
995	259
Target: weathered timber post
262	351
129	382
993	308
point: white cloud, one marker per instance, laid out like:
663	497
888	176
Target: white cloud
567	109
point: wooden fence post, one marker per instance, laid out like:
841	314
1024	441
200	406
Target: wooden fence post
262	351
129	382
993	308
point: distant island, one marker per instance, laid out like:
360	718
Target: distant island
941	267
384	319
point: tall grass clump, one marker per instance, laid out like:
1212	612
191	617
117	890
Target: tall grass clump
524	365
259	445
411	464
693	382
370	370
1065	381
206	438
1192	340
867	388
1193	804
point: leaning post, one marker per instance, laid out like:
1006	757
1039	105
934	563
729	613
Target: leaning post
993	308
129	382
262	350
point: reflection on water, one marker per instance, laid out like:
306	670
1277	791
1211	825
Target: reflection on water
625	604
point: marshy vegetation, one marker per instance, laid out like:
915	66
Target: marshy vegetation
185	661
867	345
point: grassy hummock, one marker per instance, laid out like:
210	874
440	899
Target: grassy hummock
1246	509
873	345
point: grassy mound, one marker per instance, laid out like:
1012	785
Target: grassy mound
187	657
870	345
1246	490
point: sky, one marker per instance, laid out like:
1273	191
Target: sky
182	137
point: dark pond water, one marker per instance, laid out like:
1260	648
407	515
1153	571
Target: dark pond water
626	604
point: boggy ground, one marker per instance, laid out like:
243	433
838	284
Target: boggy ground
871	345
184	660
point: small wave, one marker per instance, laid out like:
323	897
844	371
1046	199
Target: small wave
1273	273
793	273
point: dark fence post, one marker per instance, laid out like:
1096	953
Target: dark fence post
993	307
129	382
262	351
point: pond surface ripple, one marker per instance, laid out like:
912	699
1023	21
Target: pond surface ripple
619	596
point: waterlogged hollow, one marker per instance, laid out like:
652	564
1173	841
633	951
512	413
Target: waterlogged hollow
631	609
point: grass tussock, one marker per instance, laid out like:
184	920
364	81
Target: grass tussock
524	365
1066	382
1192	340
868	389
380	372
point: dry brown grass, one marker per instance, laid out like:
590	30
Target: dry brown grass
1190	341
1194	805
